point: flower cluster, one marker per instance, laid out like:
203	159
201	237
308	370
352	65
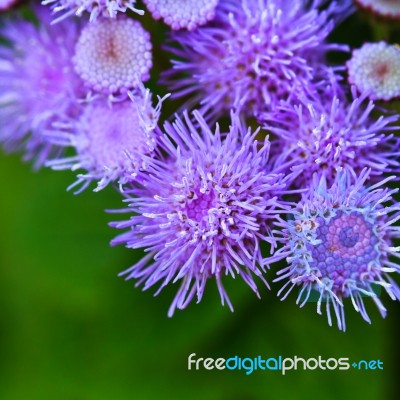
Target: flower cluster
302	177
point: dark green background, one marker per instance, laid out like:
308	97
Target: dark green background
71	329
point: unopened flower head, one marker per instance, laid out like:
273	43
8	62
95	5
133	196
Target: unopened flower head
38	84
113	55
331	134
339	244
253	55
109	139
202	212
96	8
389	9
182	13
375	68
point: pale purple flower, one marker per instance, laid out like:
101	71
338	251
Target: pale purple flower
96	8
113	55
180	14
38	84
253	54
328	134
338	243
108	139
202	212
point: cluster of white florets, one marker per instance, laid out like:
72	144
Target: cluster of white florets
383	8
182	13
375	68
112	55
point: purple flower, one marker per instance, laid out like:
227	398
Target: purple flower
38	84
113	55
253	54
203	211
182	13
96	8
329	134
108	139
339	242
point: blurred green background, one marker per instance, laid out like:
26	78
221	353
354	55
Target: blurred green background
71	329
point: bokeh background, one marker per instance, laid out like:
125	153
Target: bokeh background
71	329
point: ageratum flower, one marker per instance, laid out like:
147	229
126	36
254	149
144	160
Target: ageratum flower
113	55
388	9
375	68
182	13
108	139
96	8
202	212
253	55
38	84
328	134
339	243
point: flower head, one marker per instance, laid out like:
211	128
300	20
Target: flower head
96	8
375	68
202	212
38	84
339	242
113	55
329	134
182	13
109	139
253	55
389	9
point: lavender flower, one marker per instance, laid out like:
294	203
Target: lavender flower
182	13
328	134
339	243
38	84
253	54
108	139
96	8
202	212
375	68
113	55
